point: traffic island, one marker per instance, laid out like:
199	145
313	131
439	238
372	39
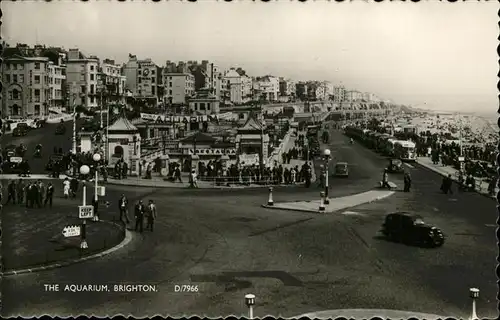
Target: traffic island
34	238
335	204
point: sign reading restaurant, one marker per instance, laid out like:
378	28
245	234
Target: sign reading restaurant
183	119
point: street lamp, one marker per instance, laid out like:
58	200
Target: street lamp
326	153
474	294
84	171
250	302
96	157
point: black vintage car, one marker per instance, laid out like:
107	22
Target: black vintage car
60	129
409	228
395	166
19	131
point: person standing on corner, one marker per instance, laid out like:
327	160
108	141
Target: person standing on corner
139	216
123	207
49	195
151	215
407	182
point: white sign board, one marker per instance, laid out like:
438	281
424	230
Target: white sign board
85	212
71	231
249	159
16	159
461	159
101	191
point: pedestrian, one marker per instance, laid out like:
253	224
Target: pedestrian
193	179
151	215
73	185
385	180
66	188
177	174
123	207
29	195
407	182
95	204
20	191
49	194
11	192
446	185
139	216
36	195
41	191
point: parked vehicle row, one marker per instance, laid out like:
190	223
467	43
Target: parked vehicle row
383	143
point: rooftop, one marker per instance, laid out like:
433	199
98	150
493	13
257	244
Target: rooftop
123	124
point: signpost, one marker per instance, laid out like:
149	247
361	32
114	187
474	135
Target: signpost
85	212
71	231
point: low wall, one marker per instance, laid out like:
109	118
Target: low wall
56	118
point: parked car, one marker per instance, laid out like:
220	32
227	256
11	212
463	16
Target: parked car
409	228
341	169
395	166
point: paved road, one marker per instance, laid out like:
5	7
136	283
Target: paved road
47	137
293	262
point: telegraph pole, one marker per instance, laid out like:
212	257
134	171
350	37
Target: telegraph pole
74	124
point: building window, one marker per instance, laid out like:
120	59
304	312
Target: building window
202	106
82	77
83	89
15	94
91	89
14	78
152	80
170	92
170	84
37	79
92	100
7	77
91	77
37	65
37	95
153	90
91	68
37	109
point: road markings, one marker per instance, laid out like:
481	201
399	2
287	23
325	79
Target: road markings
409	165
352	213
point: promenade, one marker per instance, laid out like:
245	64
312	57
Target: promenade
481	184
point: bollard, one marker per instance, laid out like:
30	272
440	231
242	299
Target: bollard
270	201
474	294
322	202
250	301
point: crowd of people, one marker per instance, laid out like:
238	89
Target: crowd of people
32	194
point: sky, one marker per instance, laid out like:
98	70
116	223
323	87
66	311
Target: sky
435	55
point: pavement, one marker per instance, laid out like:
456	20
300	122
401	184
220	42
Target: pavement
446	170
34	235
336	204
223	245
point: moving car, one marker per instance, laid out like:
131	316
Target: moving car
341	169
395	166
410	228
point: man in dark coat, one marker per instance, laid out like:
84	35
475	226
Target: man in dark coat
11	192
407	182
20	191
139	216
123	208
446	185
150	215
49	195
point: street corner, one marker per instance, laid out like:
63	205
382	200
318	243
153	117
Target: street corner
332	205
39	239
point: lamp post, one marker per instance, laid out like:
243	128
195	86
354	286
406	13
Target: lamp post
326	153
250	302
96	157
474	294
74	124
84	171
